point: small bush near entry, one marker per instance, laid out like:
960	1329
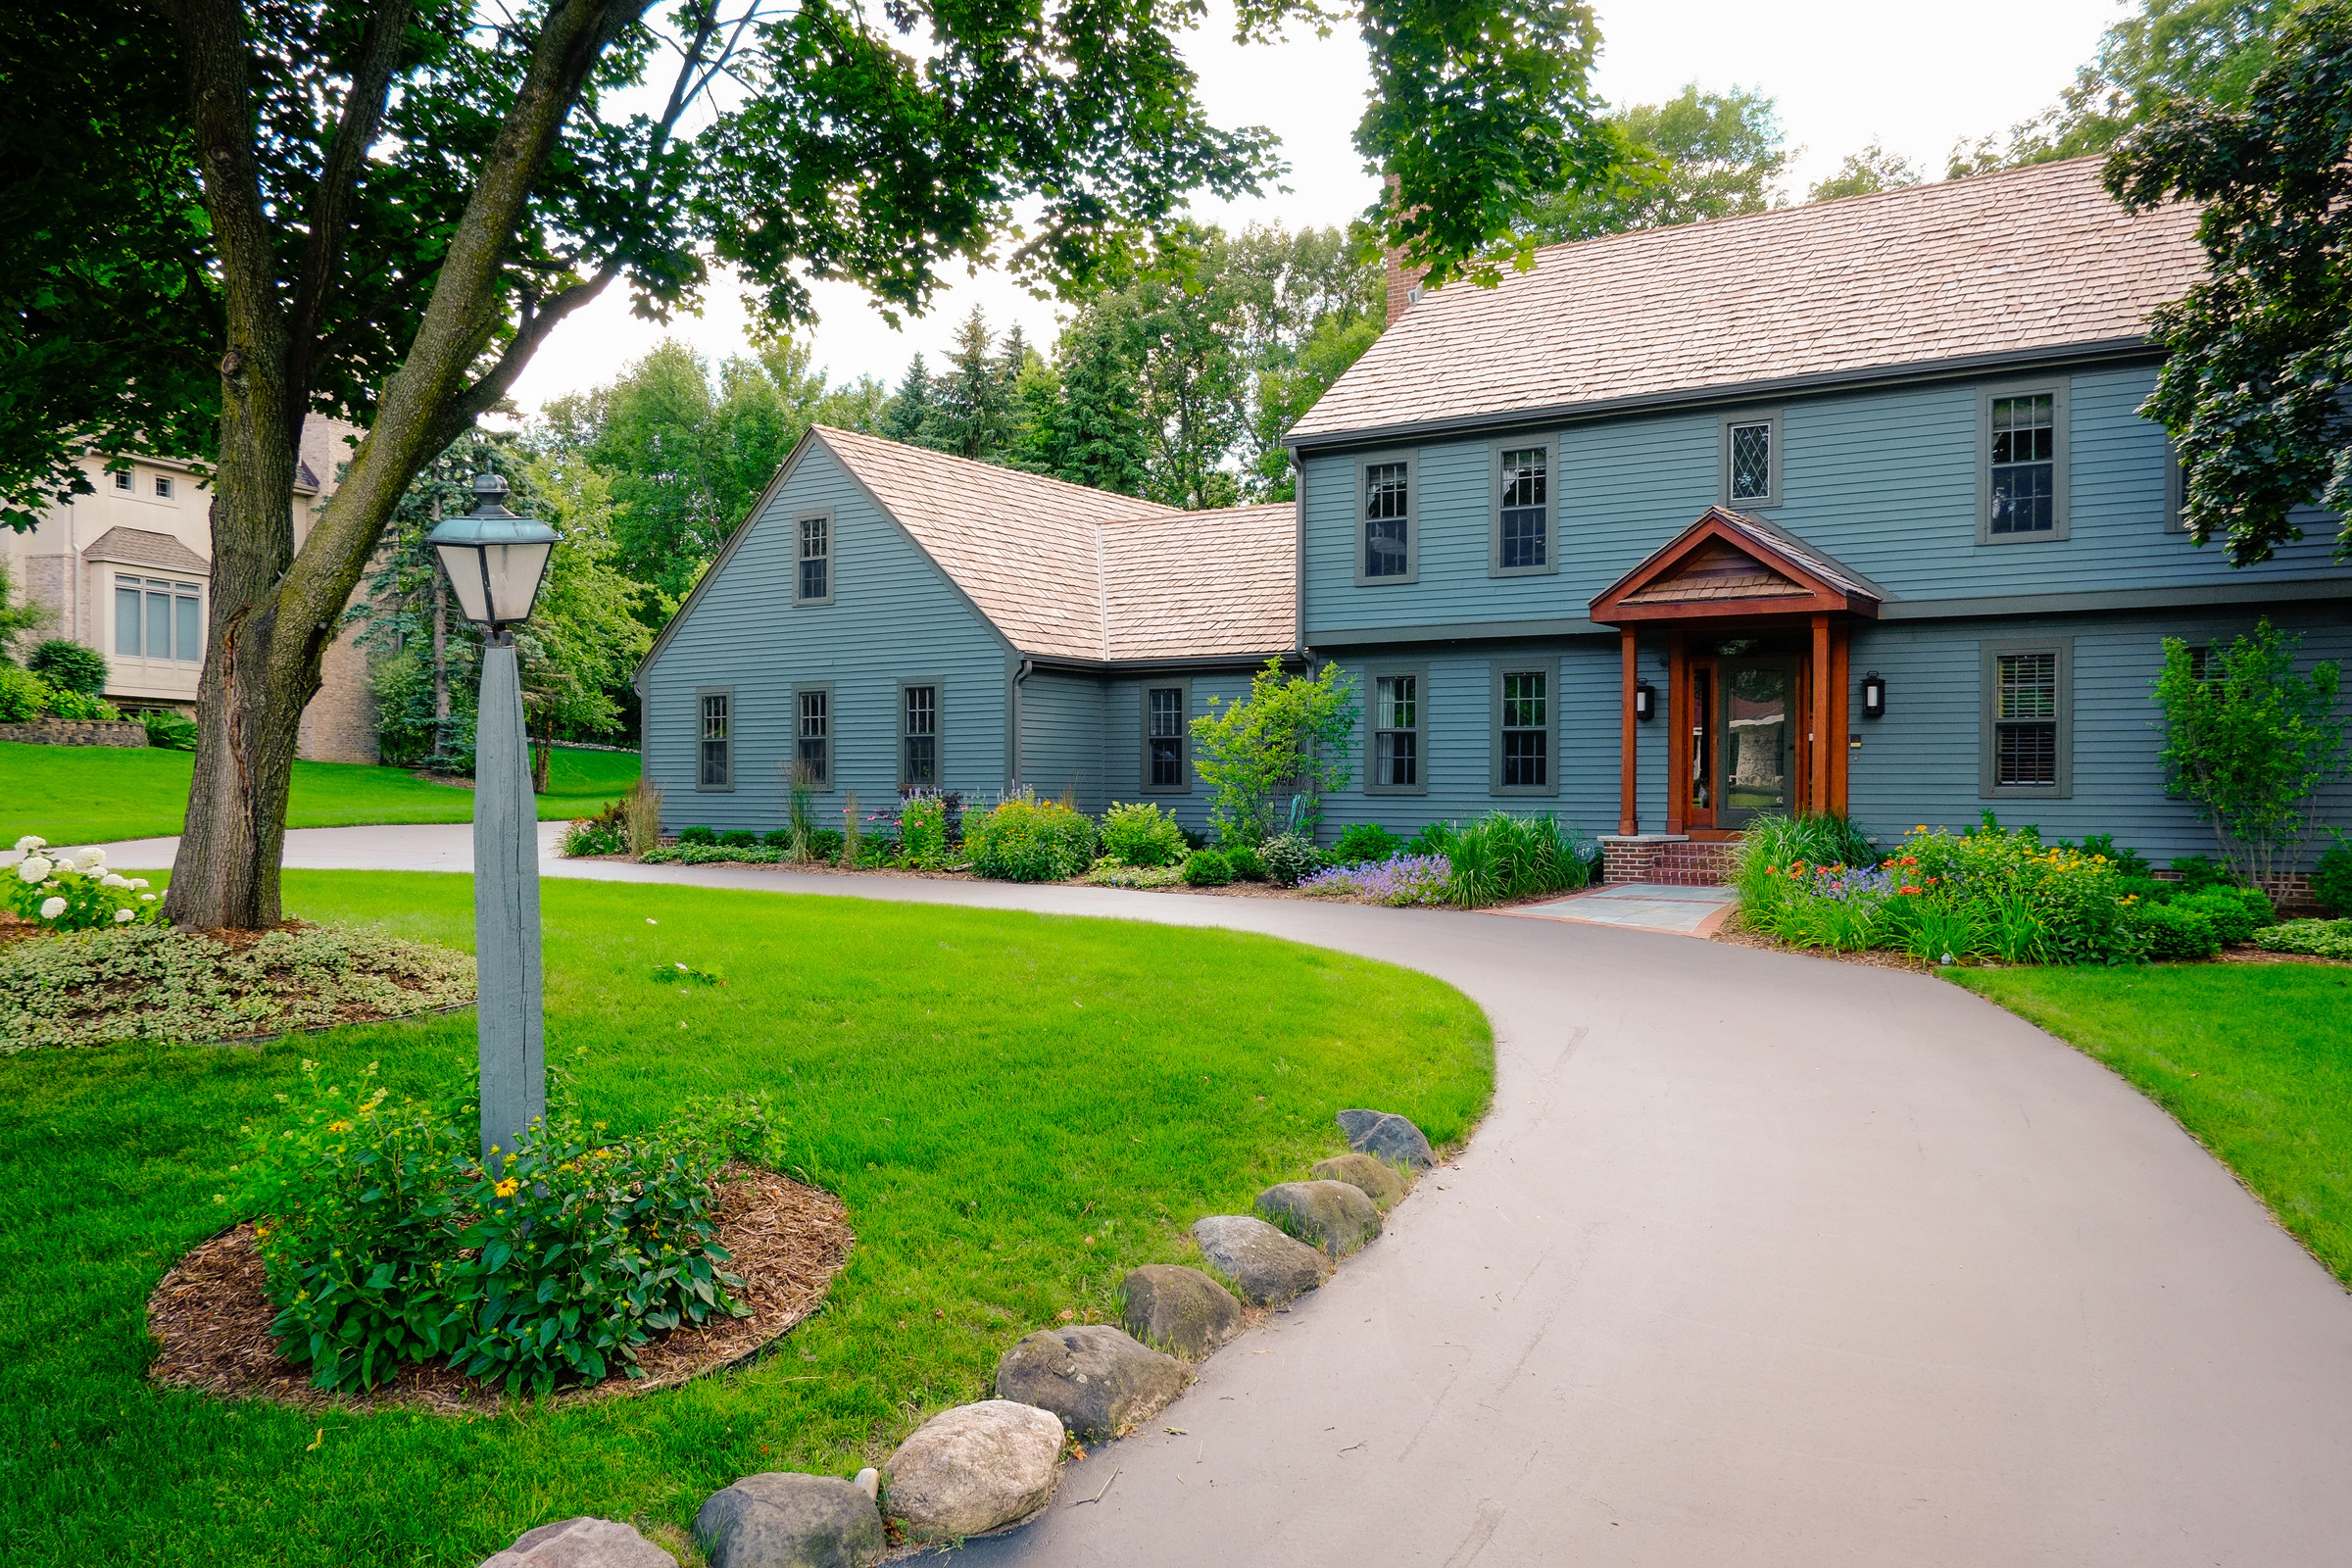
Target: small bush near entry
736	838
2332	879
2236	913
2322	938
1504	857
593	837
1207	868
1289	859
2173	931
67	667
1247	866
22	695
1142	835
1366	842
387	1241
167	731
712	855
2199	872
698	835
1028	840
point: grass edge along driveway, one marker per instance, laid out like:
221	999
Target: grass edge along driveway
1016	1110
2254	1060
99	794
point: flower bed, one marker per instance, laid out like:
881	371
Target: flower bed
75	891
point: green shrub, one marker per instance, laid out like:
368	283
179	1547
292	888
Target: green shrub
167	731
62	703
1435	838
1028	840
67	667
1365	843
1207	868
1142	835
736	838
2145	889
2325	939
74	890
924	831
877	851
22	695
2175	930
1246	864
2075	897
712	855
2332	878
698	835
2202	871
2235	913
1289	859
1112	872
1937	927
387	1242
1504	857
2102	846
592	836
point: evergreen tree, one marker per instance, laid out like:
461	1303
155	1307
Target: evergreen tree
974	396
1098	437
910	409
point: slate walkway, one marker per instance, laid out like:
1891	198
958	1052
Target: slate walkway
1756	1259
1640	907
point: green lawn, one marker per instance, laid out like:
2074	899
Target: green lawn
2254	1060
985	1091
92	794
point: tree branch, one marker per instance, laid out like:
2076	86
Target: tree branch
493	386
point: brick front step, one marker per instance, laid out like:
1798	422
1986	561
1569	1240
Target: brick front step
1673	861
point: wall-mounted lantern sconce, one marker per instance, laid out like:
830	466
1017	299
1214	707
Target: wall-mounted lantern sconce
1646	702
1874	696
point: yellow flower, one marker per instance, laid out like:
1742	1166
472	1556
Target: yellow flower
338	1126
506	1188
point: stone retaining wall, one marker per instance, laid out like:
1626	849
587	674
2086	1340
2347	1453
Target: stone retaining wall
76	732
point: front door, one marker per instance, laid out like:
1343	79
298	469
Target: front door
1755	739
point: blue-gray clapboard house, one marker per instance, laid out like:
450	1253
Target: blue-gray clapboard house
1845	506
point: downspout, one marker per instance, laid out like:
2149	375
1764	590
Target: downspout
1298	560
1019	675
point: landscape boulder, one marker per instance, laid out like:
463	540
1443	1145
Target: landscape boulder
582	1543
976	1468
1332	1215
1180	1308
1269	1267
785	1520
1371	1177
1387	1136
1094	1377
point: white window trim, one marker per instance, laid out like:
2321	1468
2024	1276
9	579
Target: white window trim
1550	669
832	561
1550	448
1373	675
1183	748
734	730
2061	466
1412	519
1723	456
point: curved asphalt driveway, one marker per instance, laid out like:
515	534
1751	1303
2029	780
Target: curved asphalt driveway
1758	1259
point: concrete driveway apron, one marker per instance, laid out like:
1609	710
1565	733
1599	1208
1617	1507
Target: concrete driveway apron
1757	1259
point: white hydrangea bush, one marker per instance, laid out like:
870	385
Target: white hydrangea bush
71	889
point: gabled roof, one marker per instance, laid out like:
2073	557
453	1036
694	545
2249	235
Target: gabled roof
1732	563
139	547
1200	582
1985	269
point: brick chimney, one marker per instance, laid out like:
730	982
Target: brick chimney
1404	282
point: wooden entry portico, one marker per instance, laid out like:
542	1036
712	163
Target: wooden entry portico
1756	624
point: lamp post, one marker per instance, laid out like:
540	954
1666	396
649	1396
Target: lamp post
496	561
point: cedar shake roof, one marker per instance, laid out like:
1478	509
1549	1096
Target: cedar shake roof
1066	571
158	552
1995	267
1730	562
1717	571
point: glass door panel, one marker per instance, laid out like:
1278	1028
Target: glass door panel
1756	732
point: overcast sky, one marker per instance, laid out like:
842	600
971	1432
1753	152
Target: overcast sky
1844	72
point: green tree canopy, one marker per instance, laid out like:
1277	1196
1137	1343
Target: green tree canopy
1872	169
1698	154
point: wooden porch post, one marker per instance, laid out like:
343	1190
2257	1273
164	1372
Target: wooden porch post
1817	787
1627	816
1677	743
1840	714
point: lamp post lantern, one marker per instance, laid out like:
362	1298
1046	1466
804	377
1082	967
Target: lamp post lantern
496	561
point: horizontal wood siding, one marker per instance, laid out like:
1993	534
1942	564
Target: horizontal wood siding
1918	765
1062	737
1123	740
894	618
1886	481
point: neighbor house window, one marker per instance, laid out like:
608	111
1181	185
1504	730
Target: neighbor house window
2022	453
163	487
1166	728
158	619
1398	721
1523	509
1522	741
122	480
2027	745
1388	502
1751	459
815	584
714	767
812	749
918	720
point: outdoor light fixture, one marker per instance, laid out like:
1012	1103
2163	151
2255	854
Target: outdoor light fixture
495	560
1646	700
1874	696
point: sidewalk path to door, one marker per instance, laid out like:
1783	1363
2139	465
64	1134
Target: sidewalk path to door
1757	1259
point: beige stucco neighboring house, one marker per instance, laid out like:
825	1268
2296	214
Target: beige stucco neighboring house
128	570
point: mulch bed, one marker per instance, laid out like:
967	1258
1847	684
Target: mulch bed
788	1241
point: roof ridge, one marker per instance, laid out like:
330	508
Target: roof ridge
933	454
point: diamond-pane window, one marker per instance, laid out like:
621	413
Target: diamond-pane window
1751	462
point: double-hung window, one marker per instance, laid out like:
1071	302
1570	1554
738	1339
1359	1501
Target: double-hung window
1522	741
1522	541
2026	743
1751	459
162	487
813	735
1166	730
714	767
122	480
158	619
1400	725
2022	459
1386	498
918	725
815	584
